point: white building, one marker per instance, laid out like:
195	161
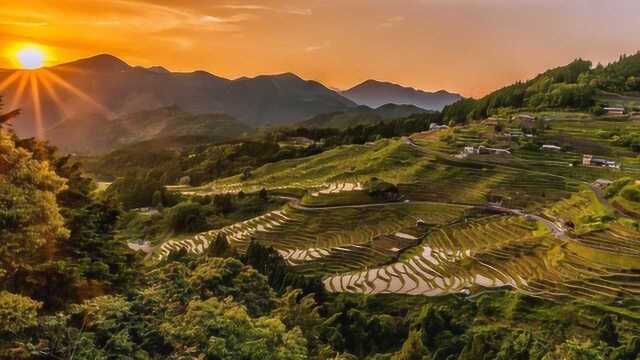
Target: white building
435	126
551	147
614	110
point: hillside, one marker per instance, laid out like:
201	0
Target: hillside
91	135
302	253
375	93
107	86
576	86
361	115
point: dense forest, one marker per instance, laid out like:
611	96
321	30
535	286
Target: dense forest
573	86
70	288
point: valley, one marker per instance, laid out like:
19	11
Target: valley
271	217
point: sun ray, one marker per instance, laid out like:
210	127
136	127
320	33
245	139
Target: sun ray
58	80
10	80
37	108
67	68
17	97
54	96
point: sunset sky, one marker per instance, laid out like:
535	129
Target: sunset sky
468	46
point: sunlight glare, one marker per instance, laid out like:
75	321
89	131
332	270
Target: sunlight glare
30	58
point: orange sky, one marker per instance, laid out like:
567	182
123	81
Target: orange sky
469	46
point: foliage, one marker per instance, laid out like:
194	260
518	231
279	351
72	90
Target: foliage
577	350
30	217
555	88
137	191
17	313
267	261
228	277
217	329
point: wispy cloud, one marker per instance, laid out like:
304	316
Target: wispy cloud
254	7
24	23
392	21
314	48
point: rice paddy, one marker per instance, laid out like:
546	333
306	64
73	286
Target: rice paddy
440	238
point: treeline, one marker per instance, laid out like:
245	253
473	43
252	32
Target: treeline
192	165
620	76
363	133
573	86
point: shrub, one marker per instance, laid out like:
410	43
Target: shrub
631	193
187	217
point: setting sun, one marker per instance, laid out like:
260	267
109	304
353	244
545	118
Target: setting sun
30	58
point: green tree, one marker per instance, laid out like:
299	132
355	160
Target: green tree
229	277
577	350
18	314
412	349
214	329
30	219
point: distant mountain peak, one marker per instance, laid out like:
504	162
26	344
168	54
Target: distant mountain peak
100	63
376	93
159	70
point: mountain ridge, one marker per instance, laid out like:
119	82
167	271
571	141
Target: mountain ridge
375	93
108	86
361	115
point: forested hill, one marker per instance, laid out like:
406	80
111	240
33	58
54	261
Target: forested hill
94	135
574	86
361	115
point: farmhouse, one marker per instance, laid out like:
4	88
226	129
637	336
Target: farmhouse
601	184
614	110
551	148
589	160
523	117
435	126
469	150
483	150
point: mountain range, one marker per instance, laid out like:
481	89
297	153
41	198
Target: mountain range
105	87
110	87
375	93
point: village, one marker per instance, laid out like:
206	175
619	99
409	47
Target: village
523	132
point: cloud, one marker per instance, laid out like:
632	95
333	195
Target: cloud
253	7
392	21
23	23
314	48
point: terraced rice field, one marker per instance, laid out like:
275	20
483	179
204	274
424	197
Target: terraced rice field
618	238
582	211
449	260
322	230
337	231
381	249
475	183
390	160
495	252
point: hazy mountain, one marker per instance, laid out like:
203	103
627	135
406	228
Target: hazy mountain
97	134
361	115
377	93
109	87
